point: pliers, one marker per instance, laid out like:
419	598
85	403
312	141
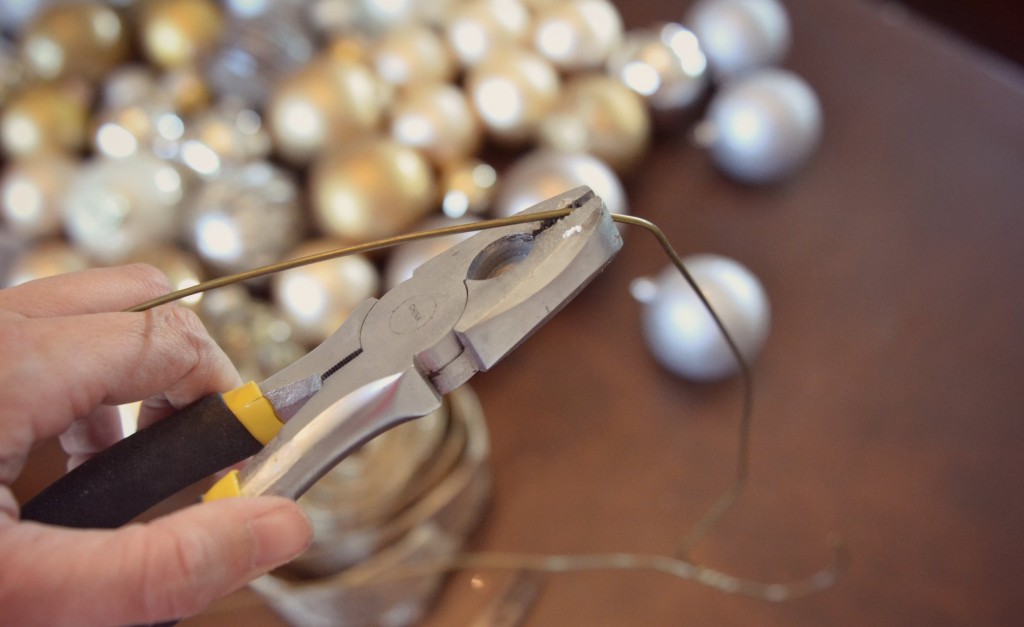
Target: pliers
391	361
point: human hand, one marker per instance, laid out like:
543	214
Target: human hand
70	356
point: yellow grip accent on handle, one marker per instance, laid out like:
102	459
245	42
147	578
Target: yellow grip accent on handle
254	411
226	487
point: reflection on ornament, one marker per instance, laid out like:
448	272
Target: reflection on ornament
681	333
544	173
177	33
43	260
316	299
113	209
182	269
477	28
42	118
30	195
577	34
82	39
247	218
763	127
467	187
371	189
407	257
599	115
512	90
148	125
437	119
665	65
327	102
413	53
740	35
223	136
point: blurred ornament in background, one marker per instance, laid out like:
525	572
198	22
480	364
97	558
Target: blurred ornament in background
12	71
663	64
147	124
316	299
16	14
407	257
763	127
328	102
413	53
31	191
76	39
115	208
371	189
599	115
248	217
512	90
436	119
577	34
467	187
223	137
680	332
541	174
176	33
256	53
738	36
43	118
477	28
48	258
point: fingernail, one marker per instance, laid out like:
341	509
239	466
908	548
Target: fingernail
280	535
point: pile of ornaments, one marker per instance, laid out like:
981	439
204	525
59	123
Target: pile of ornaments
209	137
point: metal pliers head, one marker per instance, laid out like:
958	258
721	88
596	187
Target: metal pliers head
459	314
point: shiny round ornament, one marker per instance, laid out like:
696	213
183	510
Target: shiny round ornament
16	15
577	34
512	90
407	257
247	218
223	137
542	174
371	189
477	28
30	194
665	65
43	118
46	259
316	299
413	53
147	125
328	102
467	187
436	119
762	128
115	208
599	115
680	332
176	33
80	39
740	35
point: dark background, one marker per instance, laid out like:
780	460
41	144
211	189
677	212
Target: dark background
998	25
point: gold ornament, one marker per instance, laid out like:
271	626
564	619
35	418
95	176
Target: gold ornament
371	189
316	299
477	28
47	259
42	118
437	119
331	100
30	194
599	115
82	40
176	33
577	34
512	91
413	53
467	187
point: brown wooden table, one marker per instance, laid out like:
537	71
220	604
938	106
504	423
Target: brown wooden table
889	397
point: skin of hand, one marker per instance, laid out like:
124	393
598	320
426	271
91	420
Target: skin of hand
70	356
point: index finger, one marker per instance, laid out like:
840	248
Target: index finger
96	290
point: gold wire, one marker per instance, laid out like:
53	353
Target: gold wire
678	566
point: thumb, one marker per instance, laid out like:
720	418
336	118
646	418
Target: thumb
170	568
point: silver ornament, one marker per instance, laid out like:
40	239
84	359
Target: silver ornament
247	218
763	127
544	173
682	334
740	35
665	65
113	208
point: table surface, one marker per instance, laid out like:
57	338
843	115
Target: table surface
889	395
